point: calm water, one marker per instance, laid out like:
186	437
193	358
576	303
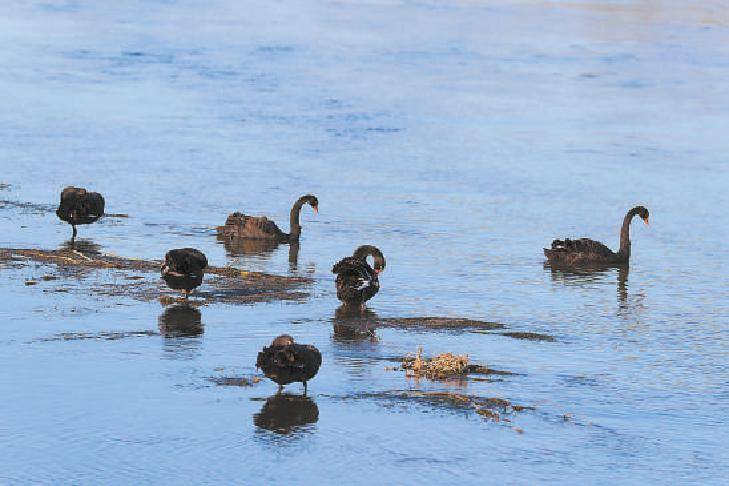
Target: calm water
459	137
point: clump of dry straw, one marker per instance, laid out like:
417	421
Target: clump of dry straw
441	366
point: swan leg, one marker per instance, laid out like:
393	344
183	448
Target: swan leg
305	389
280	389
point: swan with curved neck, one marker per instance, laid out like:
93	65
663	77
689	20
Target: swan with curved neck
241	226
590	252
357	282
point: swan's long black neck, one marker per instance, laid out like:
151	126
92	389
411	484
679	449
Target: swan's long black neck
368	250
625	234
295	219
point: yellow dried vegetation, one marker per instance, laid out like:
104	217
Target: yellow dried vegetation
441	366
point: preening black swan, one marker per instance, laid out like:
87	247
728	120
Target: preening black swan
357	282
590	252
183	269
79	206
239	225
286	362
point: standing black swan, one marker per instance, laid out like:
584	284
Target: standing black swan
357	282
79	206
239	225
286	362
590	252
183	269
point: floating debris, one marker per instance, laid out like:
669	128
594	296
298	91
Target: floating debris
441	366
470	368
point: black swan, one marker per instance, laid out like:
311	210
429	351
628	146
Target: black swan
183	269
357	282
284	413
239	225
79	206
590	252
286	362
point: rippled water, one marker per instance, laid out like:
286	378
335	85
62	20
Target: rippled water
459	137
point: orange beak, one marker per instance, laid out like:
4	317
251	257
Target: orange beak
316	209
646	222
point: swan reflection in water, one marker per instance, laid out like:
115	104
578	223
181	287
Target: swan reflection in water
263	249
354	324
180	320
578	276
84	246
286	414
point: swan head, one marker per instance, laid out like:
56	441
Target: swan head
643	213
368	250
283	340
312	201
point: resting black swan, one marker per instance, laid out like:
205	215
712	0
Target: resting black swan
183	269
239	225
286	362
357	282
79	206
590	252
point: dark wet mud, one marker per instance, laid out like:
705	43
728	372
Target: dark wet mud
491	408
98	336
139	278
529	336
439	323
241	381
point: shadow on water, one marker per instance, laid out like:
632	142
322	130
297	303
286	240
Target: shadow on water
287	414
353	325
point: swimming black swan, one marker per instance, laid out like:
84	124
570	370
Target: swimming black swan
590	252
79	206
183	269
357	282
286	362
239	225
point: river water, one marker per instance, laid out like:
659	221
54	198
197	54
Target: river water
460	137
